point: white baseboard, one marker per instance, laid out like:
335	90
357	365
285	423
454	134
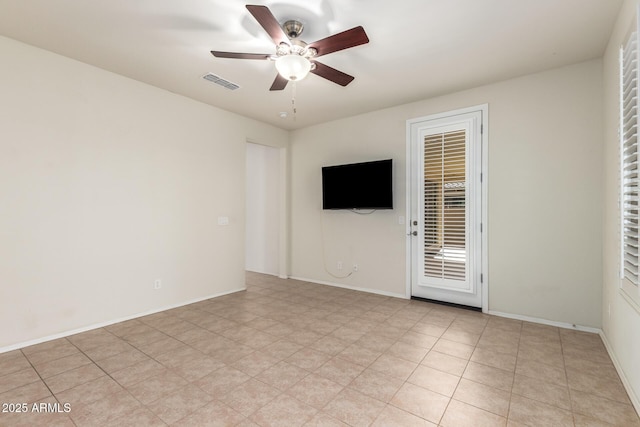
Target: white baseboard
110	322
625	381
268	273
546	322
353	288
278	275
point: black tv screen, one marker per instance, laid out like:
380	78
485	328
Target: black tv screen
358	186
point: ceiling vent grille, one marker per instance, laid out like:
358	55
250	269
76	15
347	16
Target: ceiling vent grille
220	81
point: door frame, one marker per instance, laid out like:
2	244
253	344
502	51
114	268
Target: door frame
483	262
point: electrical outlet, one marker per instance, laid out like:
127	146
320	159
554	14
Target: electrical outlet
355	267
157	284
339	265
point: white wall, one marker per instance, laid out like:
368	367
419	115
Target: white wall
544	224
263	209
620	321
107	184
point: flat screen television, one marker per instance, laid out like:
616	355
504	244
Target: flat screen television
367	185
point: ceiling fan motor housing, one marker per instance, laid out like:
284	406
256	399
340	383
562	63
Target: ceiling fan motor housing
297	47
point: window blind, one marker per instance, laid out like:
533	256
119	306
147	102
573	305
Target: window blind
629	157
445	205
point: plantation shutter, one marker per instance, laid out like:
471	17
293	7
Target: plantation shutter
629	157
445	205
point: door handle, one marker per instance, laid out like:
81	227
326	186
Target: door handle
413	233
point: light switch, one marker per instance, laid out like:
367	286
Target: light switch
223	220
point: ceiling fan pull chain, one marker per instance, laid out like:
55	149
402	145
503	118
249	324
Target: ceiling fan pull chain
293	100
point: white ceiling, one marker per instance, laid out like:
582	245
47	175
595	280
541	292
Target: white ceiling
418	48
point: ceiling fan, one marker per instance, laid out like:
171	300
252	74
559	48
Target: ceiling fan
294	58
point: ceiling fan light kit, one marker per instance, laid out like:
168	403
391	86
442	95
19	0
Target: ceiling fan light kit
293	67
295	59
292	60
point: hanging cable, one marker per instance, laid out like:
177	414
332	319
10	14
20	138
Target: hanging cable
324	257
356	211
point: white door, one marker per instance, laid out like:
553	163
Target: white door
446	207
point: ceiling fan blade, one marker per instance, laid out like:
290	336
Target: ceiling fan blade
234	55
332	74
344	40
270	24
279	83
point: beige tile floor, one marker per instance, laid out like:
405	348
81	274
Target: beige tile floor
289	353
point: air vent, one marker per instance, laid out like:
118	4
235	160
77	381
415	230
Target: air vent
220	81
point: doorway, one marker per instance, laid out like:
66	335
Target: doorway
263	209
447	204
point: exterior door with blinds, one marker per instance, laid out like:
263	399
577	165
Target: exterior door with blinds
446	208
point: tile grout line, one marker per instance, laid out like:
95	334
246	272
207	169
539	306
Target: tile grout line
381	313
